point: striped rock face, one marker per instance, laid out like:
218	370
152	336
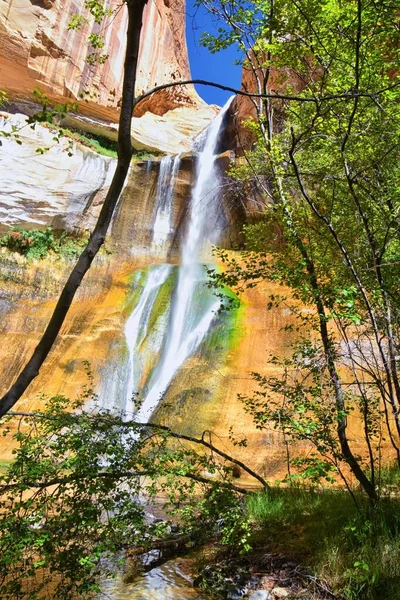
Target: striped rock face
37	48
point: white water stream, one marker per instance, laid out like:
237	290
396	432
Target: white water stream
169	167
192	310
137	325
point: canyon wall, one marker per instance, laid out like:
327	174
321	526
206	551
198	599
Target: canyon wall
58	182
51	189
37	48
67	192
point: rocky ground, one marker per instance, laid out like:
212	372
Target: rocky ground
261	576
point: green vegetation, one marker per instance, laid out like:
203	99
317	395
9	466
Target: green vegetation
137	282
163	299
3	99
325	161
139	155
97	143
70	502
358	553
102	144
228	329
4	465
39	243
74	467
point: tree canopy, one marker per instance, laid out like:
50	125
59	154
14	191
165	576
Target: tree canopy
327	168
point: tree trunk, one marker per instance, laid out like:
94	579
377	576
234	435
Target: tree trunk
32	367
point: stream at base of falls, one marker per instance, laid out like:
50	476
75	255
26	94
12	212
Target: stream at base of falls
170	581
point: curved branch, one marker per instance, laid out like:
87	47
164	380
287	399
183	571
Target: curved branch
155	426
220	86
202	442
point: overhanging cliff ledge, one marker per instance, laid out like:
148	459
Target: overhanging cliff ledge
38	49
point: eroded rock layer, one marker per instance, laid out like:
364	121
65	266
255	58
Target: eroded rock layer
45	181
171	133
37	47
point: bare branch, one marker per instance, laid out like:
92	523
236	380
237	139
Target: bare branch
272	95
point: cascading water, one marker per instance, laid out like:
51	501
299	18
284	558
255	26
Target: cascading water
137	324
192	306
169	167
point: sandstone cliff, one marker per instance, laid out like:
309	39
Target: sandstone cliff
36	48
280	80
64	187
203	394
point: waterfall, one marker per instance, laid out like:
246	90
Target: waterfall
136	328
169	167
193	306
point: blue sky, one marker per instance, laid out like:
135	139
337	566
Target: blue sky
213	67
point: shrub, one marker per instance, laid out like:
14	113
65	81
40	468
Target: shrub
38	243
34	243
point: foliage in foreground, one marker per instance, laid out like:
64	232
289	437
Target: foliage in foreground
97	143
78	493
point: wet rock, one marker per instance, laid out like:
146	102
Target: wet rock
253	583
236	593
151	559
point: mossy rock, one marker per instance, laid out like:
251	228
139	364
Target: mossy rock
163	300
182	404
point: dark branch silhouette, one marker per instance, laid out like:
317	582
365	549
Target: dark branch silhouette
32	367
273	95
154	426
